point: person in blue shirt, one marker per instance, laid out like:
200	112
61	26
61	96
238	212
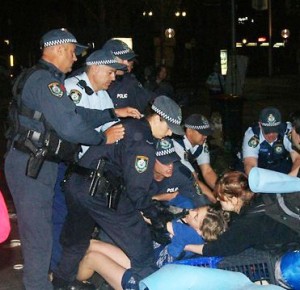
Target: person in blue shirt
199	225
46	130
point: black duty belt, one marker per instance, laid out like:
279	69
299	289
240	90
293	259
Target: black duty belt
75	168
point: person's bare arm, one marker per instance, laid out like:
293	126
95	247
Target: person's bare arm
166	196
114	134
205	189
249	163
197	249
209	175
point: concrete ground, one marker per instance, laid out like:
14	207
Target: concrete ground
282	92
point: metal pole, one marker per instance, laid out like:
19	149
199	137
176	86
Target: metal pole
270	58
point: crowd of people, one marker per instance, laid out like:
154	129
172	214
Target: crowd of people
107	177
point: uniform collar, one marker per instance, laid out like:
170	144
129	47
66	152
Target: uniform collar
53	69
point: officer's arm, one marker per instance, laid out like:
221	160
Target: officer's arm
96	118
249	163
58	109
206	190
165	196
208	174
128	112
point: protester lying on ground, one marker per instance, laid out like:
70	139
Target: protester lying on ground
250	223
204	223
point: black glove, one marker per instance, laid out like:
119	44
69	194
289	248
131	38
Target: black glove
159	216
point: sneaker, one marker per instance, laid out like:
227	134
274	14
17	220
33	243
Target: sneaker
79	285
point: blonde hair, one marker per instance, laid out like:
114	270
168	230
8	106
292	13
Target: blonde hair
214	224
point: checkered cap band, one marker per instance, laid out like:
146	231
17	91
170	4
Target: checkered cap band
122	52
165	152
59	41
203	127
165	116
102	62
271	124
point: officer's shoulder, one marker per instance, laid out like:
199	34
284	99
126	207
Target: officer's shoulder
136	129
250	131
40	76
183	170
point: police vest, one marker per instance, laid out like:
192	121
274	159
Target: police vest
57	149
270	156
189	156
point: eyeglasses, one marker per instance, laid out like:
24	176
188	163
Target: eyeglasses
88	90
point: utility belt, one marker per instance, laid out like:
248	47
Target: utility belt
54	150
102	183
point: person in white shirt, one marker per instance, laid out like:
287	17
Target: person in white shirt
193	148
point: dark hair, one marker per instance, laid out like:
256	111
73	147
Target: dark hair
295	119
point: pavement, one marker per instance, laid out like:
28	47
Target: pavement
282	92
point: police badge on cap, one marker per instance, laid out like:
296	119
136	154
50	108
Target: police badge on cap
270	120
165	151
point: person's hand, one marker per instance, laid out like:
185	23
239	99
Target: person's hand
128	112
114	134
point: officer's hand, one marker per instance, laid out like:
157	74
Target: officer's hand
128	112
114	134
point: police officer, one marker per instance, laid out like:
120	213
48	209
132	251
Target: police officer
268	144
45	128
119	192
193	148
173	182
127	90
88	92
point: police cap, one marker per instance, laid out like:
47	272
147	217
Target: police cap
61	36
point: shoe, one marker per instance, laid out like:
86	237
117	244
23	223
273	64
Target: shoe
78	285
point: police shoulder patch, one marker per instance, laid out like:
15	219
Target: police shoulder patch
253	142
75	96
205	148
141	163
55	89
289	135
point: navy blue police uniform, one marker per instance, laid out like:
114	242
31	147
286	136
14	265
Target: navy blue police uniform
127	91
47	122
274	157
183	181
128	164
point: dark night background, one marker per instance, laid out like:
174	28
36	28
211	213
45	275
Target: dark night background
199	36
